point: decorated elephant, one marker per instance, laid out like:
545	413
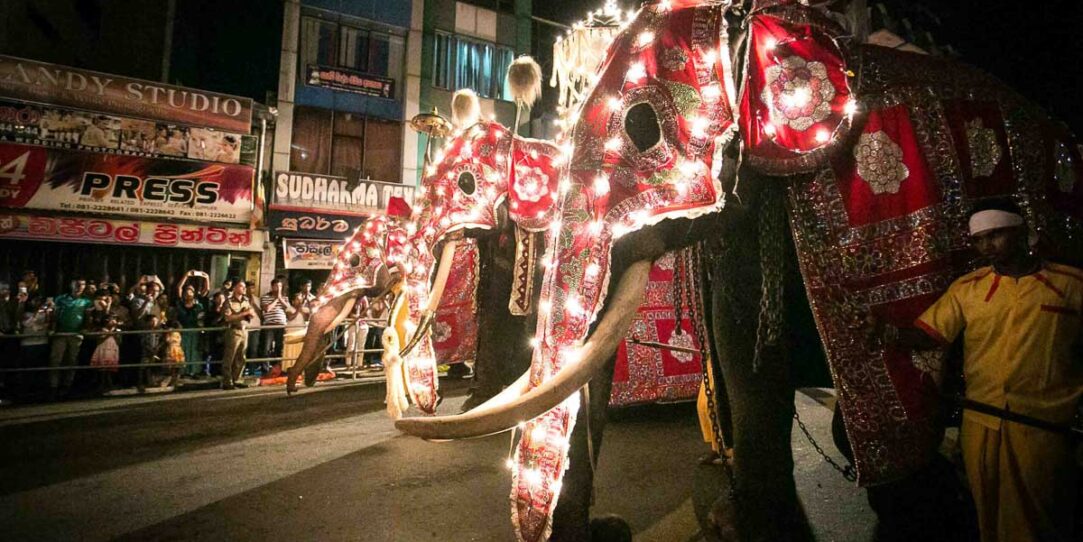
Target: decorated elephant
714	125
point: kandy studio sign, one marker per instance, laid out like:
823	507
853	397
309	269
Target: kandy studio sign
31	80
306	192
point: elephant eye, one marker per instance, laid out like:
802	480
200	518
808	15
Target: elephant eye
467	183
355	260
641	125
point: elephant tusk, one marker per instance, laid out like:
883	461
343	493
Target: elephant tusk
573	376
427	319
447	257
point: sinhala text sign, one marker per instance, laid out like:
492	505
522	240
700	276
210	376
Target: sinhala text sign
309	254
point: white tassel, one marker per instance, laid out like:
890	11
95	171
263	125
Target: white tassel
396	400
465	108
524	80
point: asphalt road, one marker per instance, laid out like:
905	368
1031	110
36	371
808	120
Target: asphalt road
328	465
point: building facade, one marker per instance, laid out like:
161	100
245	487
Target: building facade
352	75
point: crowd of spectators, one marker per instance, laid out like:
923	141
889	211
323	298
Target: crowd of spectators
180	332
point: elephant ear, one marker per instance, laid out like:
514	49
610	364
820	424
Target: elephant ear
533	187
796	99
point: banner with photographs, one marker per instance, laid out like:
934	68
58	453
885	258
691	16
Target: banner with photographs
63	180
305	254
128	232
41	82
81	130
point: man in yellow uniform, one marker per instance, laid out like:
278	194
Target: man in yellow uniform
1020	320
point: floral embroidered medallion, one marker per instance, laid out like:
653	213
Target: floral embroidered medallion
674	59
441	331
929	362
681	339
1064	169
531	183
880	162
798	92
984	150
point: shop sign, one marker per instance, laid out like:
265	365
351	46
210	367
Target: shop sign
306	192
313	225
85	182
80	130
128	232
45	83
307	254
350	81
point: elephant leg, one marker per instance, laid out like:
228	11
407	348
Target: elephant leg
765	505
502	337
930	504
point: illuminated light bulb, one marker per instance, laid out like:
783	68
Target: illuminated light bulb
515	205
644	38
492	117
664	5
770	44
593	270
534	154
521	425
565	186
619	230
700	126
710	57
535	342
596	227
532	476
572	355
613	144
545	306
636	72
615	103
547	262
712	93
601	185
769	129
538	433
439	157
554	227
798	98
822	136
850	108
688	168
567	148
572	305
510	464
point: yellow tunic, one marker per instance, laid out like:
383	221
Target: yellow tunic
1018	337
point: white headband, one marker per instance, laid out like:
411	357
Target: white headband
992	219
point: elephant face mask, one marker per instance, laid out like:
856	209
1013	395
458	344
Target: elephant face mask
477	171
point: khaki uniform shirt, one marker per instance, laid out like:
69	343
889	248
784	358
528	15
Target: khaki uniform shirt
232	306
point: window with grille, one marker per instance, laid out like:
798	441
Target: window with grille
462	62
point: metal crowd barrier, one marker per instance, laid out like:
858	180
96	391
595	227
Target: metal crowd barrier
336	335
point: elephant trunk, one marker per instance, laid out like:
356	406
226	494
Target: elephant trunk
323	321
428	314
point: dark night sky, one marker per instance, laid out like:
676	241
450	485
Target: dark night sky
1035	47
